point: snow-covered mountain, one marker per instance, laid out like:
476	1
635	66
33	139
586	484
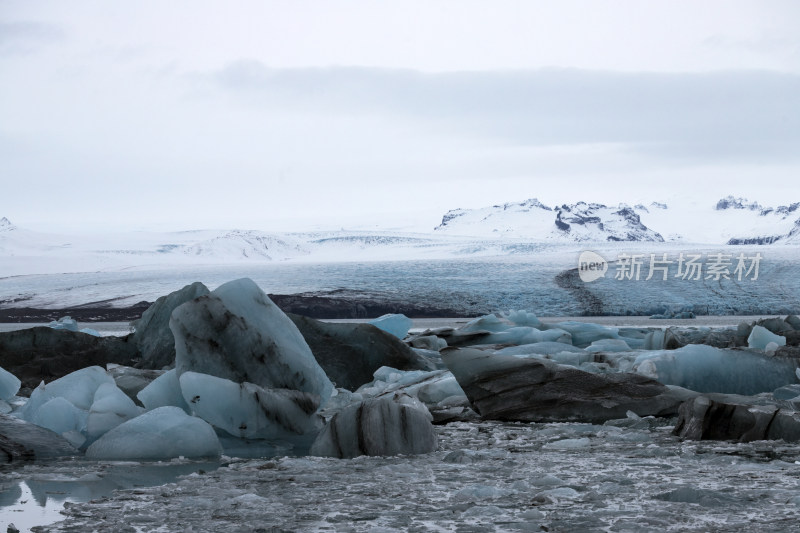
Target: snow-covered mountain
513	228
731	221
532	219
245	245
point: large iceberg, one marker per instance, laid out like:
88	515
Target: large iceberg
350	353
707	369
237	333
160	434
390	425
78	388
536	390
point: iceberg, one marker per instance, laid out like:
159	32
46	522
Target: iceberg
64	322
704	368
236	332
541	348
429	342
245	410
350	353
9	385
609	345
435	389
390	425
501	387
584	333
760	337
491	323
160	434
78	388
523	318
397	325
527	335
721	417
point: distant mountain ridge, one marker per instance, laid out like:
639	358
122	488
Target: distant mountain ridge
511	228
731	221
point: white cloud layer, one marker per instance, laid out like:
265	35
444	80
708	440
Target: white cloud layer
292	114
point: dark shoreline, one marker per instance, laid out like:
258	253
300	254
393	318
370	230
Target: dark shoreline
310	305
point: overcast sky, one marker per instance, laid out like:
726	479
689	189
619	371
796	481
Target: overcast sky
287	115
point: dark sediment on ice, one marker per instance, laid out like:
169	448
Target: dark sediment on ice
43	353
313	305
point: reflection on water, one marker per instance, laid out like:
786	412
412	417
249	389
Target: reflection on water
34	494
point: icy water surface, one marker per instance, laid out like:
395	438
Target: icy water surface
486	476
35	494
471	286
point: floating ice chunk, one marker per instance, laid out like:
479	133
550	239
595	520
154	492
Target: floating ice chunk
429	342
480	492
527	335
771	348
609	345
704	368
111	407
568	444
584	333
162	391
60	416
9	385
787	392
523	318
397	325
5	407
431	387
248	411
160	434
78	388
65	322
237	333
661	340
543	348
90	331
556	495
435	391
341	398
760	337
485	323
384	426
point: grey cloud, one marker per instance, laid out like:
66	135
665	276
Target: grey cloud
717	115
